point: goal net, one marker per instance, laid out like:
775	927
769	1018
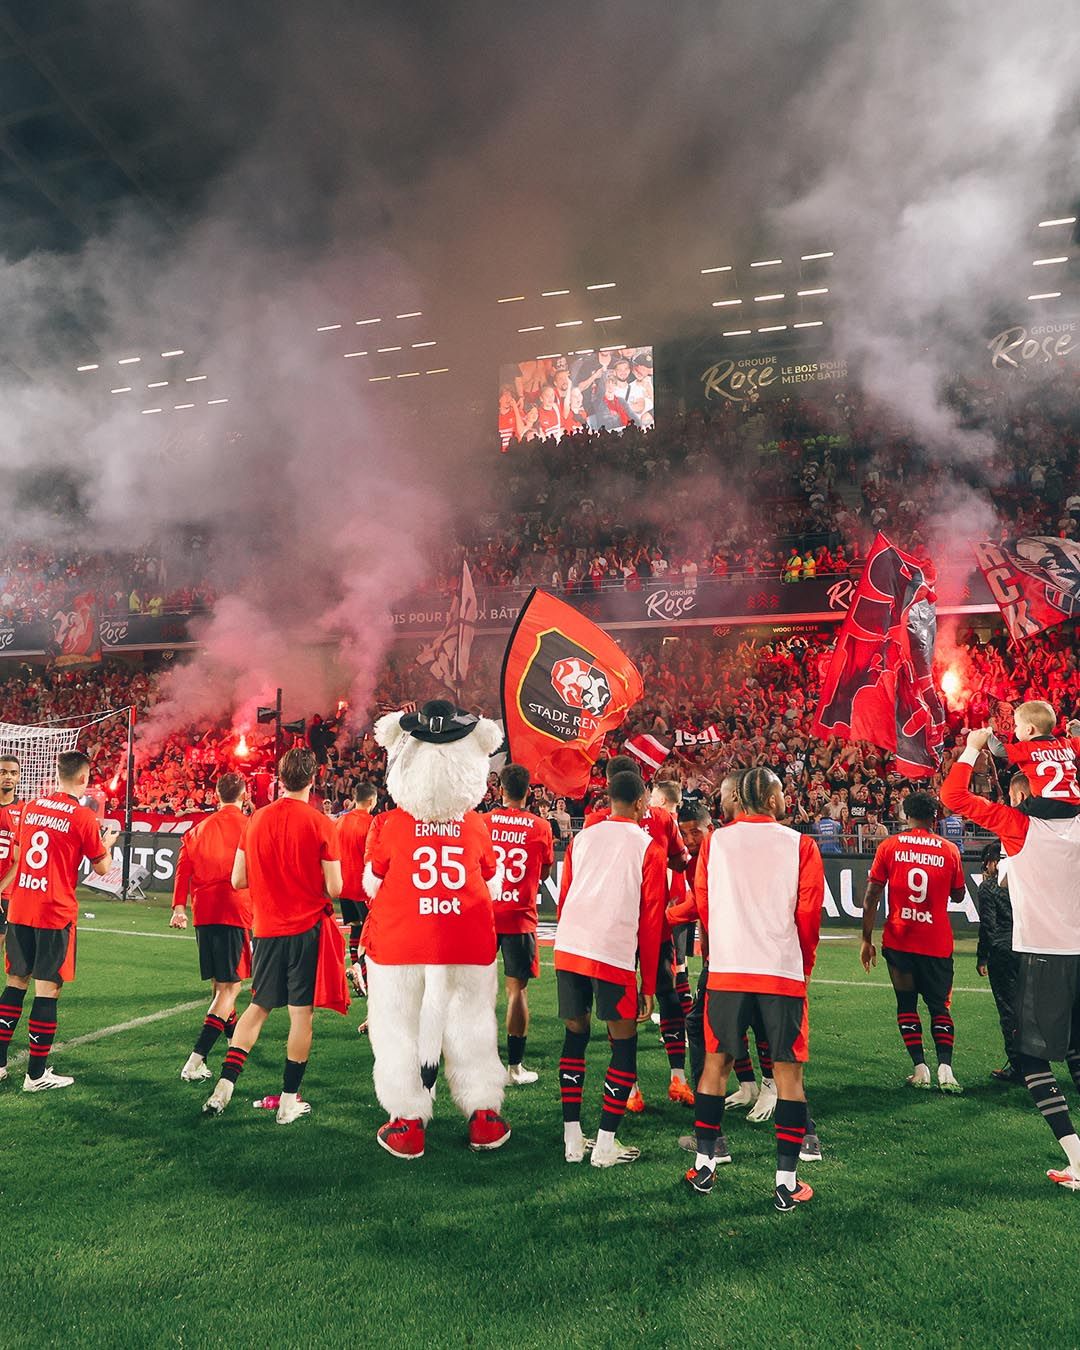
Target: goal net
36	749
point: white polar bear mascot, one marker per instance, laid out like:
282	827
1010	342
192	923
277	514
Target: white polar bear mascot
430	937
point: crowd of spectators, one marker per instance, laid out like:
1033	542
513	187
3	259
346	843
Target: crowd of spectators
754	698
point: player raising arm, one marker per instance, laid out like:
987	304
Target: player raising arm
1044	886
55	834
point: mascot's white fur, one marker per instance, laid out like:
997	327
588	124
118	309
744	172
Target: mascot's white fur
417	1012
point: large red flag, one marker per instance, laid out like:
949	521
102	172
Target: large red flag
565	685
879	686
1035	580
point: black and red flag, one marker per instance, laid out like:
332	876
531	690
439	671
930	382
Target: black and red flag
565	685
879	686
76	631
1035	580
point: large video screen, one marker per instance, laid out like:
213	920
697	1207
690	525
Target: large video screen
546	399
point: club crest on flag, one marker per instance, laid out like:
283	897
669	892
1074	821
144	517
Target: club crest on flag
581	685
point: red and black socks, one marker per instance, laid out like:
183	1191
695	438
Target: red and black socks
11	1006
790	1124
42	1027
572	1074
618	1083
944	1033
234	1062
708	1121
212	1028
910	1024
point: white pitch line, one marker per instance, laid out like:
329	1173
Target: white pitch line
135	932
131	1025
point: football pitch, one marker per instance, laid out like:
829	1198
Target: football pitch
130	1220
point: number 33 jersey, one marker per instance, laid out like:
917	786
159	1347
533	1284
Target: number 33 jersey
920	871
433	906
524	845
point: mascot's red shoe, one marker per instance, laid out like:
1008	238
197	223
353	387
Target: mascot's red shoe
487	1130
403	1138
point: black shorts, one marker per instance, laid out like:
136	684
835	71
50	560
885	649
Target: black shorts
353	911
222	949
933	975
1048	1005
519	954
665	970
578	993
682	936
783	1017
3	916
283	970
40	953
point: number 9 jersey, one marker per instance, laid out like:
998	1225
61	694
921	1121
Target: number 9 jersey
921	872
431	901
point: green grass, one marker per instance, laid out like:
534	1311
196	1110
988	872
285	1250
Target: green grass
131	1221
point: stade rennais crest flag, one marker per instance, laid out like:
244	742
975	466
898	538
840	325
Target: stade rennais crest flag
879	686
565	685
1035	580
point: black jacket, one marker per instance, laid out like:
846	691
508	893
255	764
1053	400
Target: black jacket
995	921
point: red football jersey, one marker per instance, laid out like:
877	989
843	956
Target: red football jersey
433	907
204	870
524	845
1049	764
921	871
9	835
285	847
352	833
55	834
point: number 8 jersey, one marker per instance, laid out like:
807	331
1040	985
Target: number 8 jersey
55	834
433	906
921	873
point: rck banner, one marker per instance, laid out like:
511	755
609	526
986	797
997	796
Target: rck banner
76	638
1035	581
565	685
879	686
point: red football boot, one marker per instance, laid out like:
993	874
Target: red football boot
404	1138
487	1130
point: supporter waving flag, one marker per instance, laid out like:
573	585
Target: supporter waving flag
1034	579
879	685
565	685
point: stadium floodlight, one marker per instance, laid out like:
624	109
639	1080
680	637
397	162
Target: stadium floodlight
547	294
123	389
158	384
737	332
601	286
147	411
328	328
432	343
536	328
1045	295
129	360
768	262
179	351
809	323
178	406
412	314
811	257
408	374
816	290
570	323
775	328
380	350
211	402
191	379
378	379
82	368
708	271
509	299
350	355
722	304
1046	262
440	370
1060	220
360	322
775	295
606	318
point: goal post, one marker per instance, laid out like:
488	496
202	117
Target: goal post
36	747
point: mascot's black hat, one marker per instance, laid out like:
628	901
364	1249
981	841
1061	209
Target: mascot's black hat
438	722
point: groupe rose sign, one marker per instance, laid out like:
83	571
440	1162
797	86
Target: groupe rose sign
1041	344
670	604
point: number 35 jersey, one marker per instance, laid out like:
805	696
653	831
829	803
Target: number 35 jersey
433	906
920	872
524	846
